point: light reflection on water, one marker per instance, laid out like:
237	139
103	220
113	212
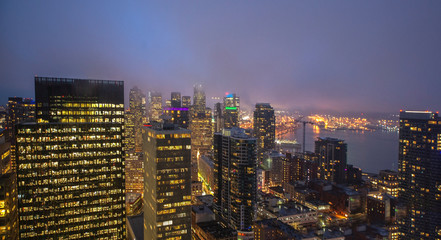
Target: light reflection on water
371	151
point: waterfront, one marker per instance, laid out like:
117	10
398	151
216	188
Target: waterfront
371	151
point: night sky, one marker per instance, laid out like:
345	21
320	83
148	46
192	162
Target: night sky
373	56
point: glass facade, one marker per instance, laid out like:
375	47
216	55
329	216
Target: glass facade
70	166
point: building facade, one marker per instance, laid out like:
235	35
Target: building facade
264	128
167	184
70	166
231	111
155	106
235	178
332	159
419	174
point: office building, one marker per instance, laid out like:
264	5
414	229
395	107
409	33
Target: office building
135	120
19	110
218	118
419	174
332	159
231	111
264	128
235	178
175	100
70	167
8	192
167	184
199	99
155	106
200	126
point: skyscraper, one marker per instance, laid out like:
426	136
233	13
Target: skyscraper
200	126
264	128
155	106
199	100
218	117
167	184
135	118
332	159
231	111
19	110
419	174
70	167
235	178
175	99
8	192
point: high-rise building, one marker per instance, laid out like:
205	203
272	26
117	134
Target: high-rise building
231	111
167	184
8	206
8	192
135	120
332	160
186	101
264	128
200	126
70	166
419	174
19	110
199	99
176	100
235	178
218	117
155	106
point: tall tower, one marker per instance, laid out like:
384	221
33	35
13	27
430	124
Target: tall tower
175	99
70	166
135	118
218	117
19	110
199	100
231	111
167	184
200	126
419	174
8	192
332	159
155	106
235	178
264	128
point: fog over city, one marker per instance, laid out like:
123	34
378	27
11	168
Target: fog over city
340	56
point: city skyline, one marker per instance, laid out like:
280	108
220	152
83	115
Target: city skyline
339	56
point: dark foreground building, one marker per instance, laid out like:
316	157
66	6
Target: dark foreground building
419	174
70	167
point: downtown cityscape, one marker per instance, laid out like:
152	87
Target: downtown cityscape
193	121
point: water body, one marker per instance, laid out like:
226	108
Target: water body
370	151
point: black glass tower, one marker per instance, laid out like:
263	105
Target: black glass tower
70	167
